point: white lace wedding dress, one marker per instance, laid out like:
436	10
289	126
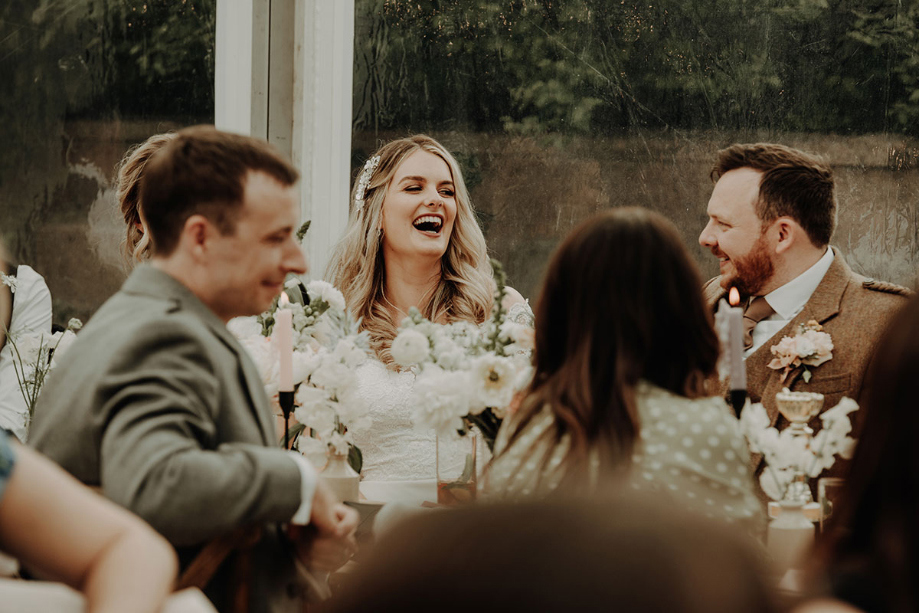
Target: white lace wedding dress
400	460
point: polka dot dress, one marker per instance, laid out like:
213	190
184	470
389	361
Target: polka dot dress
692	450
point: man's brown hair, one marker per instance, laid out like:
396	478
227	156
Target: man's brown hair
795	184
203	171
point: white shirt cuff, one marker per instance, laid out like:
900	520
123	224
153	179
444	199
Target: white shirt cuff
308	478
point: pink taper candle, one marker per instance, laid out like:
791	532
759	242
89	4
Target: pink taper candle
735	319
283	334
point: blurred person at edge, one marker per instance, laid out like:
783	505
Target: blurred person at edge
869	555
60	530
26	310
606	553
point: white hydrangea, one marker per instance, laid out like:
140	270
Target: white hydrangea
316	414
441	399
447	353
410	347
326	292
332	374
349	354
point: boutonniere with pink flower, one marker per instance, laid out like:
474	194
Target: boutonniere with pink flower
810	347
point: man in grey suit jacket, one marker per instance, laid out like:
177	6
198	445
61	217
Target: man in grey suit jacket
158	404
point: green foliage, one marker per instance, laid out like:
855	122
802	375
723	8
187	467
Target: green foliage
302	230
65	60
589	66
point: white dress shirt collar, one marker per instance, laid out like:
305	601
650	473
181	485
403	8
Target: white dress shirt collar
788	300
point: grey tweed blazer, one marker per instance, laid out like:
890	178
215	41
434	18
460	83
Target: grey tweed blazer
159	405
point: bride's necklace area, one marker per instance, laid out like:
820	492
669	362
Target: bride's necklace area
398	310
392	306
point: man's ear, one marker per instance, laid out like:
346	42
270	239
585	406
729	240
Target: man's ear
787	233
196	234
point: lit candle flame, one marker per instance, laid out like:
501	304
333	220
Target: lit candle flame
284	300
734	297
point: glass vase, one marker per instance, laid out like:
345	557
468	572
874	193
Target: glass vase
456	468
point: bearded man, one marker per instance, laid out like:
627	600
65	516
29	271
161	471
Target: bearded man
772	215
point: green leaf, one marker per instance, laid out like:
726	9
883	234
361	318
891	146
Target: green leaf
355	458
294	431
302	230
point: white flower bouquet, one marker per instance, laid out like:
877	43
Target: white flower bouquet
465	374
328	346
788	454
35	354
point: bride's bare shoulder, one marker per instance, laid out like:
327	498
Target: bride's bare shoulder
512	297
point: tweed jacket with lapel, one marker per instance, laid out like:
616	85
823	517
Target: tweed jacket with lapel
854	311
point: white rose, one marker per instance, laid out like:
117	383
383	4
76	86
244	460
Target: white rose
327	293
804	347
410	347
244	327
494	378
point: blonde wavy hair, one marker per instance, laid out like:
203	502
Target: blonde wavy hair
466	288
136	246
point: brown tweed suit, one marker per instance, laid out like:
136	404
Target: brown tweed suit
854	311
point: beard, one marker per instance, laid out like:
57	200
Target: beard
752	271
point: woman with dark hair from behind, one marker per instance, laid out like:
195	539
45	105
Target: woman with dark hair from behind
624	345
870	553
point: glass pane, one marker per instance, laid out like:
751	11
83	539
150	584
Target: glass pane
83	80
558	109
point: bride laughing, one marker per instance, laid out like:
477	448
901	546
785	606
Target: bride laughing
412	241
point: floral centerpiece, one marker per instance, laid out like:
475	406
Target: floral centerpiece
466	375
327	347
793	455
35	354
